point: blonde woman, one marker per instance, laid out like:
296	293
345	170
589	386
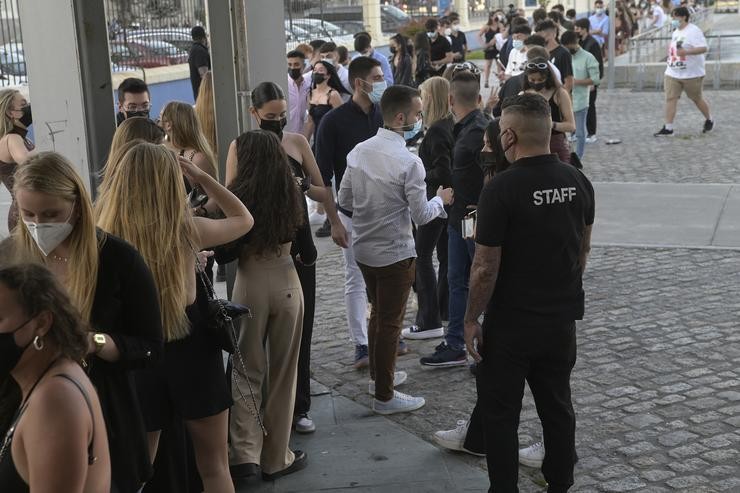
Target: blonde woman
206	113
185	137
146	205
435	152
15	118
108	283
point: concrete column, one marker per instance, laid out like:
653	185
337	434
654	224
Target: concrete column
371	19
266	43
69	85
461	7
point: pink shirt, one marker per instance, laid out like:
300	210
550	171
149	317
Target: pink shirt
297	104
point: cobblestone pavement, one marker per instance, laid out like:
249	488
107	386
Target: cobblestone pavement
656	387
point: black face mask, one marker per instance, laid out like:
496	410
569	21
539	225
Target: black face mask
393	50
573	51
10	352
537	86
318	78
121	116
26	119
295	73
488	159
274	126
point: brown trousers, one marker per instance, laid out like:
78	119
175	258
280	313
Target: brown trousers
388	290
270	342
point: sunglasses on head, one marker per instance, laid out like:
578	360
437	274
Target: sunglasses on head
538	66
465	67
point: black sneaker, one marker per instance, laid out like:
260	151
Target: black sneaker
300	462
708	126
664	132
445	356
324	231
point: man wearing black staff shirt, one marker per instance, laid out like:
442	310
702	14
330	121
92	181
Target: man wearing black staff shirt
532	241
467	181
440	53
339	132
199	59
559	56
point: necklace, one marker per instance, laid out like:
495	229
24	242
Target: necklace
59	259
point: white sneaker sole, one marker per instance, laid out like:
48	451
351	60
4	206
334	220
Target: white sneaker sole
537	464
403	376
425	334
454	445
407	409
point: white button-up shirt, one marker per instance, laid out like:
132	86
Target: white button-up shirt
384	188
297	104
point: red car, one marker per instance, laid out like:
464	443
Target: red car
146	54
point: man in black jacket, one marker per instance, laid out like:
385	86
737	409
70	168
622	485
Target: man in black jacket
590	44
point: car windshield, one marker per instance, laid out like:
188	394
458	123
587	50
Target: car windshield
161	48
395	12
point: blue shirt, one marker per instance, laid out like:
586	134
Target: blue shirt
339	132
599	23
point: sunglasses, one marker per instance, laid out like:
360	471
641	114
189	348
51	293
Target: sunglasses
466	67
538	66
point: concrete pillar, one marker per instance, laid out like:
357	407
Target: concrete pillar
461	7
69	84
372	20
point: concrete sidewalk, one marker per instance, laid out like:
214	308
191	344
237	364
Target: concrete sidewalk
354	449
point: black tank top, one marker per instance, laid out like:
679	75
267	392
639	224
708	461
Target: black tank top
10	480
317	111
557	116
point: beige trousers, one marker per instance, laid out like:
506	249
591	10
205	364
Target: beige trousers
269	342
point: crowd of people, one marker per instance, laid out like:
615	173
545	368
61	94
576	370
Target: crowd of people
111	354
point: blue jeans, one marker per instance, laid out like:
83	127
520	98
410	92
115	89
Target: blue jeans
580	131
459	258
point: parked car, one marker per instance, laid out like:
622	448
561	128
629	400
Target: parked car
176	36
296	34
319	29
391	18
146	54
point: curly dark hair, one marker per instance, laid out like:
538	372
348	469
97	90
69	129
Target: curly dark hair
37	291
265	183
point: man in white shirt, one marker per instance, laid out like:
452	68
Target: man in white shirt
685	71
518	53
658	17
298	87
384	188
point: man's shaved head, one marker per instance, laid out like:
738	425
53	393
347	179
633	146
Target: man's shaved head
528	115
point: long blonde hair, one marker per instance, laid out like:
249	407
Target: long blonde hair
136	129
6	100
52	174
206	113
435	100
145	205
186	132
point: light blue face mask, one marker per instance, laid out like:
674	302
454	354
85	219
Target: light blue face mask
517	44
410	134
675	23
377	92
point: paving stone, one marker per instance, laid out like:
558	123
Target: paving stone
658	475
630	483
642	420
686	481
676	438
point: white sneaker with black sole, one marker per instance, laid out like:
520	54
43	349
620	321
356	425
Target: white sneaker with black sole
415	332
399	378
455	439
400	403
533	455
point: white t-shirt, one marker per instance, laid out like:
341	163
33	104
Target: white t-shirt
691	66
517	60
658	16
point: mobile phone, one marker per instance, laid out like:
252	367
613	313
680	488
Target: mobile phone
468	224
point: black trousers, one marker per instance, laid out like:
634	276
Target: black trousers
431	288
544	357
307	276
591	115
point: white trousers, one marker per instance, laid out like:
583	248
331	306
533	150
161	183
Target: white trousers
355	293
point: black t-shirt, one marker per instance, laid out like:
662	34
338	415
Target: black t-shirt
536	211
467	173
440	48
459	43
198	57
592	46
563	60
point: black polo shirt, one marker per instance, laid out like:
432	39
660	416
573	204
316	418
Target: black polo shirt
339	132
459	42
592	46
440	47
536	211
198	57
563	60
467	173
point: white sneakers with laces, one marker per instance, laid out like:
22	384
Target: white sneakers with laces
455	439
399	378
400	403
533	455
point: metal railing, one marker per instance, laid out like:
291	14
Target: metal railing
651	45
12	62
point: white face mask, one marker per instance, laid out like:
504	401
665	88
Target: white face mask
48	236
448	32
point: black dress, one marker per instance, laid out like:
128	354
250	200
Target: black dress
491	52
126	309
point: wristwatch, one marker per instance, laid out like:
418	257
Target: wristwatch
100	340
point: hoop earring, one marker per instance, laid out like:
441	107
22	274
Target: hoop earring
38	343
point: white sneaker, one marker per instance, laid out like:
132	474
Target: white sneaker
304	424
399	378
591	139
400	403
315	218
572	138
455	439
533	455
414	332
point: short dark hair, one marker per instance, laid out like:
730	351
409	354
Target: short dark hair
454	16
296	54
681	12
328	47
397	99
362	33
343	53
546	25
535	40
197	33
555	16
362	43
599	1
569	38
521	29
465	87
360	68
316	44
444	21
571	13
131	85
539	15
431	25
559	7
519	21
584	24
528	105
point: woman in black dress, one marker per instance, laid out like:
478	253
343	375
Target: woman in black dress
486	36
400	60
422	58
110	285
325	95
